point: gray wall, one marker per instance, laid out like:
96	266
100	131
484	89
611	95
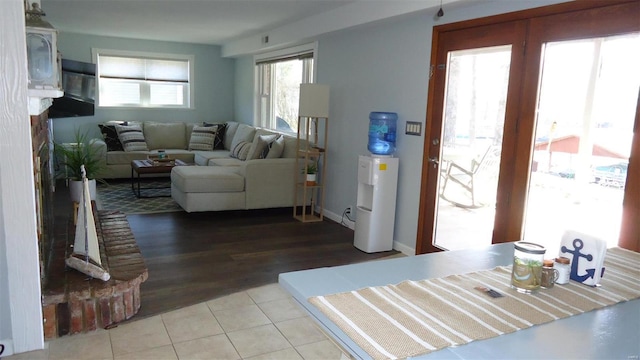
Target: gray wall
382	66
244	99
214	83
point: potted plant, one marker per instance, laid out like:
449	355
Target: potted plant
312	172
72	156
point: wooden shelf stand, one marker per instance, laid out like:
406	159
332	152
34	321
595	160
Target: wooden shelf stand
308	203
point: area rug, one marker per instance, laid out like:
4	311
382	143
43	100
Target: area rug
117	195
417	317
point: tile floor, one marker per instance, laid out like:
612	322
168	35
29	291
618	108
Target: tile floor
260	323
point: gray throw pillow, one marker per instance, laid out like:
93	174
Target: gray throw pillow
203	138
132	138
243	133
276	148
241	150
259	145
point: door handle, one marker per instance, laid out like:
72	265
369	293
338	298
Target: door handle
434	161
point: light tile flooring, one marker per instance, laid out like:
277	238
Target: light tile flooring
260	323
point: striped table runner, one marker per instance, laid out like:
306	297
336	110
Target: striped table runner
416	317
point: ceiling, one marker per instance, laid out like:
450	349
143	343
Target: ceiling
212	22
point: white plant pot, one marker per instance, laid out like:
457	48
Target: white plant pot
75	190
311	179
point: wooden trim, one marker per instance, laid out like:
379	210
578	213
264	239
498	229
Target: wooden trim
529	14
427	205
630	227
507	33
546	23
585	24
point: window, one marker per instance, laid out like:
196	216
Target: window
134	79
279	76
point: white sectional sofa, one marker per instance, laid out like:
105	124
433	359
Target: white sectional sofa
252	168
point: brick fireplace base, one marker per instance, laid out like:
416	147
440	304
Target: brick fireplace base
73	303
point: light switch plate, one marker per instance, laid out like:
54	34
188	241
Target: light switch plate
413	128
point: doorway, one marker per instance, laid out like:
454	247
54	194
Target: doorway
487	175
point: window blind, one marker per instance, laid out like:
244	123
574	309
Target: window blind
294	56
119	67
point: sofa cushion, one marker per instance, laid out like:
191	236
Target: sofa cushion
202	157
132	138
206	179
243	133
230	132
218	143
125	157
188	130
202	138
260	146
179	154
289	150
110	135
241	150
276	148
165	135
225	162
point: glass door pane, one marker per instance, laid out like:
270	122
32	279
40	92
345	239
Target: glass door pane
585	114
473	125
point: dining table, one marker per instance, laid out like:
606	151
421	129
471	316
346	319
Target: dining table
611	332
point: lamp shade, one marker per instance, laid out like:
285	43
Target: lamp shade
314	100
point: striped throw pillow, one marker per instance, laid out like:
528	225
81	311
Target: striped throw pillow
132	138
241	150
203	138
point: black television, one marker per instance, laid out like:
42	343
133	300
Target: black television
79	86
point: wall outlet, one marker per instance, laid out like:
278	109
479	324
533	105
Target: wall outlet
349	210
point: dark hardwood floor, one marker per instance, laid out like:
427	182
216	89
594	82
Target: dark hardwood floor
200	256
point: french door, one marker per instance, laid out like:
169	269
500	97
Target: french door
501	105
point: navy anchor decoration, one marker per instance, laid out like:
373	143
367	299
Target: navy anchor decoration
578	244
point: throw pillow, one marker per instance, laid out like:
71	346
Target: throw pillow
229	133
168	135
259	145
218	143
110	136
276	148
241	150
132	138
243	133
202	138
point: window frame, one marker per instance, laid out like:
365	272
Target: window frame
190	59
276	56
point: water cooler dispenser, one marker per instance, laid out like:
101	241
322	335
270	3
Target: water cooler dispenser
376	203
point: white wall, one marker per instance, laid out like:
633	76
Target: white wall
20	306
382	66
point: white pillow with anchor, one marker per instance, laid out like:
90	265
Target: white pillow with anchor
586	253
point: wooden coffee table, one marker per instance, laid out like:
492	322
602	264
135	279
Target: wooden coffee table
145	167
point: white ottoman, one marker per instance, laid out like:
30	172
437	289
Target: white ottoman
207	188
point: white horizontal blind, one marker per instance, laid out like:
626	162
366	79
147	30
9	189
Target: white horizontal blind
143	82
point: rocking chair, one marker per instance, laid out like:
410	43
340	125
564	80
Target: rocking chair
478	183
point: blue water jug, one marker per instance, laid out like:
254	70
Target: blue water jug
382	133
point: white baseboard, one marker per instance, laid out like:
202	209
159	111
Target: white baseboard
398	246
6	347
338	218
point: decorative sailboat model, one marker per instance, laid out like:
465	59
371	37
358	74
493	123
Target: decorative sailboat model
86	252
